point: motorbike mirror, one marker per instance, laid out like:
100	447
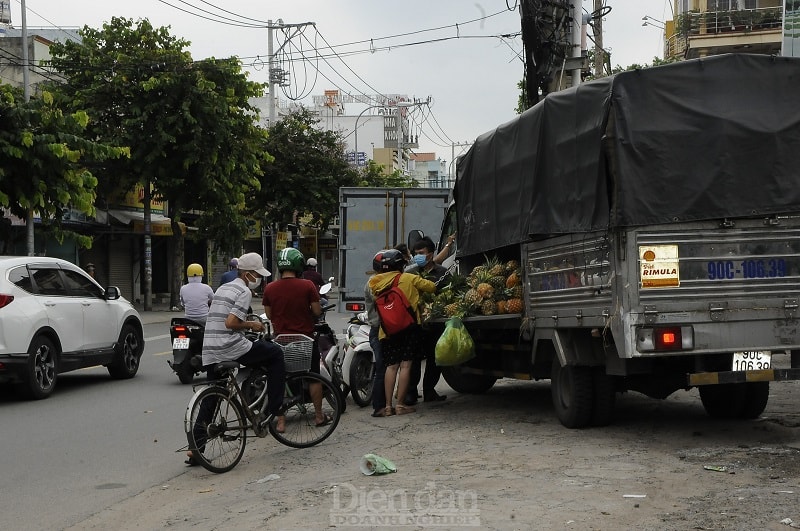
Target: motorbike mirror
413	237
325	288
330	279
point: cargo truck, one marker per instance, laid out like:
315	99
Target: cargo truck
372	219
655	215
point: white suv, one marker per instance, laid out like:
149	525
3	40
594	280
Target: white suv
55	318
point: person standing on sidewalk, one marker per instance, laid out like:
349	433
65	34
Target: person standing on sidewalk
427	268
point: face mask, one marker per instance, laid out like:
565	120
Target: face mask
420	259
253	284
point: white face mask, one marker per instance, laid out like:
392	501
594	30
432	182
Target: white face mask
253	284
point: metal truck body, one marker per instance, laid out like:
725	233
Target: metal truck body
657	223
372	219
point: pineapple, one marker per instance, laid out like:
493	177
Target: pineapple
451	309
513	279
512	265
488	307
495	267
501	306
472	297
514	292
485	290
514	305
498	283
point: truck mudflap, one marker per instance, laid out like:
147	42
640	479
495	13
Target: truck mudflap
733	377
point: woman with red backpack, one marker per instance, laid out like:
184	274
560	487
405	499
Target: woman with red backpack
397	293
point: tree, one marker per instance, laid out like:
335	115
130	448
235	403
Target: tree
374	175
44	158
191	130
309	167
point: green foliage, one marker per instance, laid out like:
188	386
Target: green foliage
374	175
44	156
308	168
190	128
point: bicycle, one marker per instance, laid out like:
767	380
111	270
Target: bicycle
236	403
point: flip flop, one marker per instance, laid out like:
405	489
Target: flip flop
191	461
326	419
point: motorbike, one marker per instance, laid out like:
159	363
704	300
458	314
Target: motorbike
187	348
350	362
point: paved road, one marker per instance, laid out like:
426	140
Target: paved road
96	441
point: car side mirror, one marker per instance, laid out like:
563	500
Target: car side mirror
112	293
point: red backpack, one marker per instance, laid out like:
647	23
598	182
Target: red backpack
394	309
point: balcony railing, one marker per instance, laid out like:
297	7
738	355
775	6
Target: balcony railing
709	23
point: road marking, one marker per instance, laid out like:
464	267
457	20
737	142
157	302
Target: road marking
162	336
162	353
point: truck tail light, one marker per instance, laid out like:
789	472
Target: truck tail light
665	338
354	307
5	300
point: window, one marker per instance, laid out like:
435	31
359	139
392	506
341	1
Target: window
78	284
20	277
48	282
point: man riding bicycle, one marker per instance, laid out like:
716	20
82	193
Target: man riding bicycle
224	338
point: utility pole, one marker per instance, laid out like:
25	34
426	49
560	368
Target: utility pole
599	53
451	177
277	75
26	91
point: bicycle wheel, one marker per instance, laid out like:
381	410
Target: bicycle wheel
302	430
216	429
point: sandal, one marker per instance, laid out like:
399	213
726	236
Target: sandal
190	460
404	410
326	419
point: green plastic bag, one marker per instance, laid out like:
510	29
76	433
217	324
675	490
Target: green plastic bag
455	346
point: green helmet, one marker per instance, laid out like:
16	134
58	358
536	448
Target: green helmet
291	259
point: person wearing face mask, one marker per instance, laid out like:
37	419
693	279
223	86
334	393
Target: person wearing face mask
224	338
423	256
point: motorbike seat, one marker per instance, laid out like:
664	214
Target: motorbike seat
224	366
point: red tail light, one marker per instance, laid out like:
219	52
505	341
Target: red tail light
180	331
5	300
668	339
354	307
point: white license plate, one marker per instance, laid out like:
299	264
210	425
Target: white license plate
180	343
752	361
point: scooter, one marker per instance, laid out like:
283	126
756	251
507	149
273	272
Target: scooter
351	362
187	348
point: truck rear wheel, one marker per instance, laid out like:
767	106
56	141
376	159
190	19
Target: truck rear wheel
756	400
572	390
467	383
724	401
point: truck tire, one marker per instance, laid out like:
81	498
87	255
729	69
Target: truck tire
724	401
756	401
572	391
467	383
605	396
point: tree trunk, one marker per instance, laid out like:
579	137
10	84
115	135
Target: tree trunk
177	259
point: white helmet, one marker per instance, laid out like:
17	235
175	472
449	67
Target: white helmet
311	262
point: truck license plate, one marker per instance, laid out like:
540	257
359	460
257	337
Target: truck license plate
752	360
180	343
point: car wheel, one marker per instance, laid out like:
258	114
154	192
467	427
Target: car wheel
129	350
42	369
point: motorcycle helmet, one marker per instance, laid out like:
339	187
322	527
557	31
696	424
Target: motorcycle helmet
311	262
388	260
233	264
194	270
290	259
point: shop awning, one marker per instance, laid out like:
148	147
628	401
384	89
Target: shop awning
159	225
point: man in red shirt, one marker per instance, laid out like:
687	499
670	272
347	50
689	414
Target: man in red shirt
292	305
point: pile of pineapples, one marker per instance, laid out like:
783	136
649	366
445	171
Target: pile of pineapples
492	288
